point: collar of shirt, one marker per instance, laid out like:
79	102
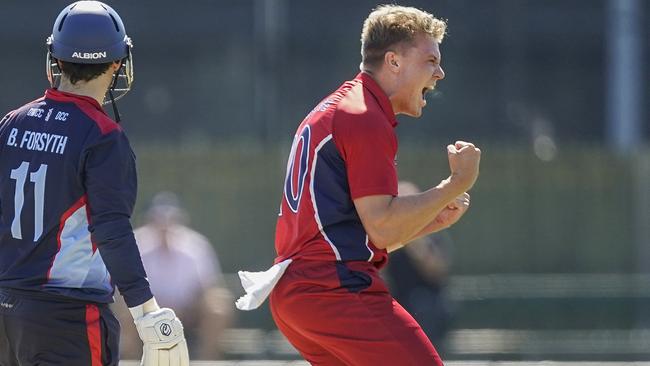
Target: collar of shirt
371	85
61	96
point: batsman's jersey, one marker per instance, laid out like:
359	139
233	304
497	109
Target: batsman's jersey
343	150
67	190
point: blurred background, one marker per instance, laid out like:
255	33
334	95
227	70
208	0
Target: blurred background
553	259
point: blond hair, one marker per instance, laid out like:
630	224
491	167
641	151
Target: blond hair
391	25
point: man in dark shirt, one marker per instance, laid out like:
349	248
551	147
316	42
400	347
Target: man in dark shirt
67	191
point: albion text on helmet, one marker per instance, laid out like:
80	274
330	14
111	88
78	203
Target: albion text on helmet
89	55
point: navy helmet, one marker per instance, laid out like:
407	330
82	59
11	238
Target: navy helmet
90	32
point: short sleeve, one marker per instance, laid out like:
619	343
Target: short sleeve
368	145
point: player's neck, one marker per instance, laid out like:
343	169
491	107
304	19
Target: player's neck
95	88
386	83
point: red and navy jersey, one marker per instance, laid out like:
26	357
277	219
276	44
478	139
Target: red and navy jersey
343	150
67	191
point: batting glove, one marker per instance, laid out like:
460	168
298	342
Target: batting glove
163	339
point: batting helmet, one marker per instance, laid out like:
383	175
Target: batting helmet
90	32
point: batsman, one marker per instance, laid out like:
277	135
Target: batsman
67	191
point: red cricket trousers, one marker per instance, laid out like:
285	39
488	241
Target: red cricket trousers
341	313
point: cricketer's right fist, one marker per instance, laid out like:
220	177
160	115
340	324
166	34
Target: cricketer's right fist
464	159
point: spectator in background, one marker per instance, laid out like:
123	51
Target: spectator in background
184	272
418	276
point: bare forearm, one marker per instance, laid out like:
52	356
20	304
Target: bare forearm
392	221
447	217
403	217
432	227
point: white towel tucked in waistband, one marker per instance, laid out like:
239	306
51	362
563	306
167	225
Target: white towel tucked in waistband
258	285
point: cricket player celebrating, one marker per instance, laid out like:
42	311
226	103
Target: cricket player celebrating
341	213
67	190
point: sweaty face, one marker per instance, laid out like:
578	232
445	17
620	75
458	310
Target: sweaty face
419	70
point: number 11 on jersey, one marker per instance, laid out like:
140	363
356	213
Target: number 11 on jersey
38	178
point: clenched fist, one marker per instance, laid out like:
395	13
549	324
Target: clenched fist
464	159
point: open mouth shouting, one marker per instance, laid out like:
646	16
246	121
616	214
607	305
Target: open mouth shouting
425	90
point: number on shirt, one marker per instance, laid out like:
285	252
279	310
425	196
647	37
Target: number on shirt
294	182
38	178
